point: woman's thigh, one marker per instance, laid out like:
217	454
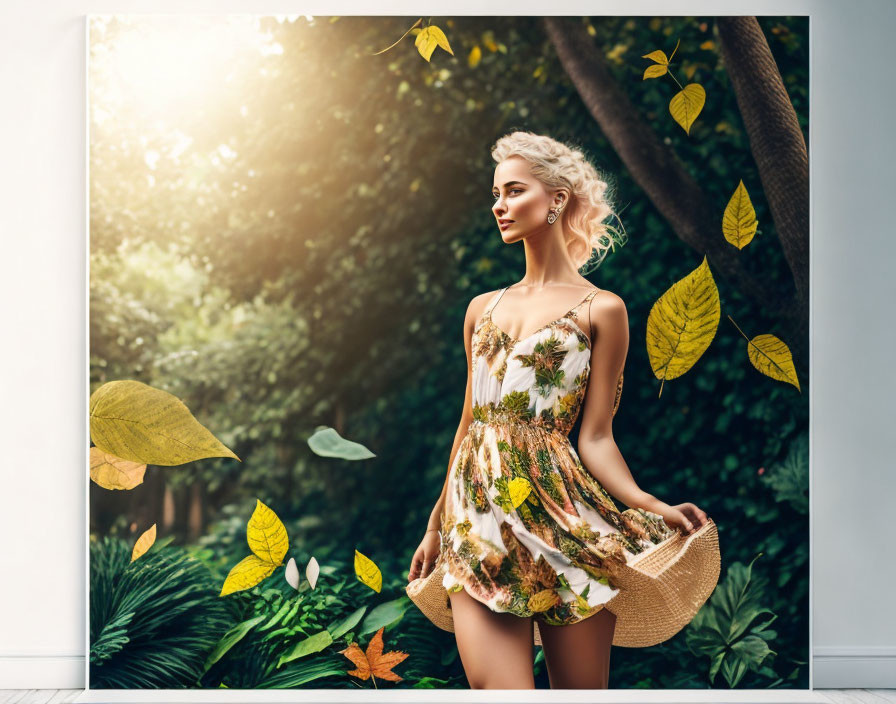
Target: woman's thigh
578	655
496	649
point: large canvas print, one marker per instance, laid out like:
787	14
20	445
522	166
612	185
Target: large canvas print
448	352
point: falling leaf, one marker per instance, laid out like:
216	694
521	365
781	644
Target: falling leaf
428	39
661	62
771	356
266	535
519	489
659	68
367	572
144	542
137	422
655	71
739	221
326	442
267	539
112	472
292	573
474	57
686	105
374	663
246	574
682	324
312	571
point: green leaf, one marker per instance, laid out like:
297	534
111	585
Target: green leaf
313	644
384	615
326	442
229	639
339	628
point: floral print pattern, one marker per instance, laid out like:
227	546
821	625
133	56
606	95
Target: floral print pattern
553	556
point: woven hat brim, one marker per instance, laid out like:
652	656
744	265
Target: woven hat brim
660	591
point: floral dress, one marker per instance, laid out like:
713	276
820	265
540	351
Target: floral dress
526	529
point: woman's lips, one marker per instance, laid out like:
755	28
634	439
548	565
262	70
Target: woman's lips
505	225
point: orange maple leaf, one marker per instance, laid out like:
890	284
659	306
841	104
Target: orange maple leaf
374	663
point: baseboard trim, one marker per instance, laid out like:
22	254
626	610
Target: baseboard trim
833	668
42	672
864	667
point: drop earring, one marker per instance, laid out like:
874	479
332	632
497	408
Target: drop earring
553	215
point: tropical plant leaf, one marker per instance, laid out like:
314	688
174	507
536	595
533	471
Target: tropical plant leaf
385	614
340	628
790	479
231	638
312	644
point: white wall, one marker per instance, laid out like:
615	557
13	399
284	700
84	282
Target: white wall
43	293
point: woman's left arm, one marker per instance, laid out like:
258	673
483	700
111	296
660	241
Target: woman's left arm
597	448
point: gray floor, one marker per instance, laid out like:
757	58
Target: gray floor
56	696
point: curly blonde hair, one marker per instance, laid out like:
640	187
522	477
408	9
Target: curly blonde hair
558	165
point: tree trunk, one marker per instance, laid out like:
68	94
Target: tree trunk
655	167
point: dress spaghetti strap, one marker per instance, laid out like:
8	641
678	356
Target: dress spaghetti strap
494	302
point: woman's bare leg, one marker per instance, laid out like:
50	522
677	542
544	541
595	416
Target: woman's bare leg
496	649
578	655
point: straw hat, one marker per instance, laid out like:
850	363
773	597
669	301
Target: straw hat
660	589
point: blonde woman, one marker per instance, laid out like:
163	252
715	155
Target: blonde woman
524	528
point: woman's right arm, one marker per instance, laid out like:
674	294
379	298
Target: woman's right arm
427	552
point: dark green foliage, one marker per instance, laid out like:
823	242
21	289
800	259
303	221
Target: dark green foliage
153	621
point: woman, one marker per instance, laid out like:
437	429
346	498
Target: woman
527	530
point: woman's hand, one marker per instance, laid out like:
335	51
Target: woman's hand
425	557
685	517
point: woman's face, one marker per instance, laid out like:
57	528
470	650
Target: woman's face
519	197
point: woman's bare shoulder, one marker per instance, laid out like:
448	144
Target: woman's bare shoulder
477	305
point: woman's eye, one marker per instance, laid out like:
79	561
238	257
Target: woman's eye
518	190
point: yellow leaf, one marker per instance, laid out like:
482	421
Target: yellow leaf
582	603
246	574
659	56
474	57
112	472
367	571
739	221
519	489
543	600
771	356
654	71
489	42
708	45
686	104
682	324
428	39
144	542
266	535
137	422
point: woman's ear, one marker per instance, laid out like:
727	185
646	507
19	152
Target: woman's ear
561	198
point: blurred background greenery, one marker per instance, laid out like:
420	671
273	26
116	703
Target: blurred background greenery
286	230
